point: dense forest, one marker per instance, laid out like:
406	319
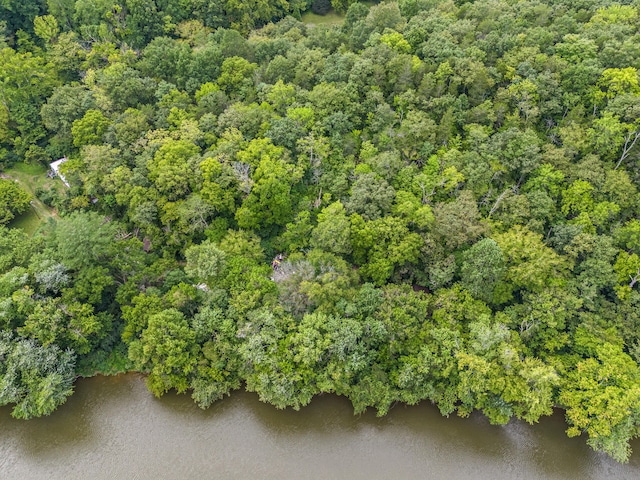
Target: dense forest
432	200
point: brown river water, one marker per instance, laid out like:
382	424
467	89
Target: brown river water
113	428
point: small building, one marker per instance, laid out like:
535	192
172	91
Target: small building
55	168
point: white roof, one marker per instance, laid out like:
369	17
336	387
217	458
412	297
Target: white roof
55	166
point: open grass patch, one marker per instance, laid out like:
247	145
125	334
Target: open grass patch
29	221
32	178
27	169
331	18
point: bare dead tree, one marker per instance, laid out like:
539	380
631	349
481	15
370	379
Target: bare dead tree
241	171
527	324
318	201
123	235
634	278
496	204
629	142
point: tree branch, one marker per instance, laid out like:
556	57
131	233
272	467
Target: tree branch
627	147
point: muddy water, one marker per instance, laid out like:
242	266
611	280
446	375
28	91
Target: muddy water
112	428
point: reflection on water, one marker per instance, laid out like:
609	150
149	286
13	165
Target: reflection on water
112	428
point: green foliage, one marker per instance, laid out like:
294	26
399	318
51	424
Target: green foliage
493	378
205	261
269	201
530	264
333	233
25	81
321	7
483	268
382	245
601	396
19	16
13	200
235	73
36	379
90	129
218	370
371	197
84	239
233	187
170	168
167	349
458	222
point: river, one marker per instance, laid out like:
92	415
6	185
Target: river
113	428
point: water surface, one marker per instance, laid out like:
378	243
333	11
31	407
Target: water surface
113	428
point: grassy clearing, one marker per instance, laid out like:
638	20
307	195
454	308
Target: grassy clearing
28	169
28	221
331	18
31	178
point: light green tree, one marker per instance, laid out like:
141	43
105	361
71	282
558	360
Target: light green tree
167	350
13	200
602	398
36	379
